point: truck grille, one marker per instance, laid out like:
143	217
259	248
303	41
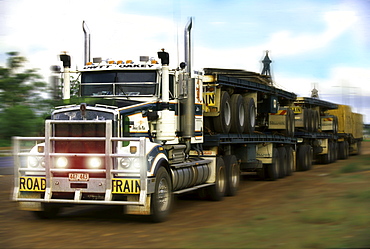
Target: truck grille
82	146
79	130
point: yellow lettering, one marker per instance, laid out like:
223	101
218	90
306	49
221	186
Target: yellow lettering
125	186
34	184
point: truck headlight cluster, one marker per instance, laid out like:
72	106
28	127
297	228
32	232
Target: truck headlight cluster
89	162
34	162
129	163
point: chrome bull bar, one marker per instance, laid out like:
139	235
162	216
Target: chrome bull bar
48	170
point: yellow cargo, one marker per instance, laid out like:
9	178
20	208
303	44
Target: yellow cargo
357	124
348	122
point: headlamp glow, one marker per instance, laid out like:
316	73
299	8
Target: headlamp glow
94	162
61	162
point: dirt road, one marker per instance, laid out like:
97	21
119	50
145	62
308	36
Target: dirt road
105	227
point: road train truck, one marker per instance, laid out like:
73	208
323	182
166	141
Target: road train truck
142	132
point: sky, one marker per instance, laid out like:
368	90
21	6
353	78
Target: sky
312	43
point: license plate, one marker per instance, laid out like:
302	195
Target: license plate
78	176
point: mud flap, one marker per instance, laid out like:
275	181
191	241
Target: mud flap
30	205
136	209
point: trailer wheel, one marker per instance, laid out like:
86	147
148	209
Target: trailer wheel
311	120
232	174
290	123
304	157
49	211
306	119
346	146
335	124
272	171
335	151
250	115
217	192
316	120
328	157
161	200
237	114
290	160
222	122
359	148
341	151
283	164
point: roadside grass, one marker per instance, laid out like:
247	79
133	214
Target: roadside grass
360	163
336	217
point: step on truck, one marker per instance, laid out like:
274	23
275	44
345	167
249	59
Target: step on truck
141	132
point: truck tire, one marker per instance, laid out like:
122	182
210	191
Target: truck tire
359	148
316	120
250	115
283	164
232	174
290	160
161	199
335	124
49	211
289	123
222	122
217	192
346	147
306	119
341	151
237	114
335	151
311	121
272	170
328	157
304	157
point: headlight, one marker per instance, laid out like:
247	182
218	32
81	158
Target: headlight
61	162
125	163
94	162
33	162
136	163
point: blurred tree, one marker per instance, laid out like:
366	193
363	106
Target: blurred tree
21	101
19	87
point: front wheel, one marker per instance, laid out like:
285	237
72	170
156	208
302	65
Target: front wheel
217	192
161	200
232	175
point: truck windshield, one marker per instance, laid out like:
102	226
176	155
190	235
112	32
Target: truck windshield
119	83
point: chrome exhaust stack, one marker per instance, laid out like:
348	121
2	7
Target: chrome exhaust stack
87	42
187	37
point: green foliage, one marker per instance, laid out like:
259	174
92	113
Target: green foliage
17	86
19	121
20	99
